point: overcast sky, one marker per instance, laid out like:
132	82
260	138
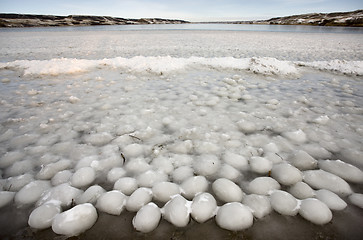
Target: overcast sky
192	10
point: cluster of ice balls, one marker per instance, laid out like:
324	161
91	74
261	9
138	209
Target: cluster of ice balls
240	203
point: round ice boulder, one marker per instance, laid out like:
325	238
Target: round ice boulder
31	192
177	211
204	207
182	173
259	204
297	136
246	127
150	178
260	165
61	177
301	190
139	198
320	179
356	199
229	172
90	195
63	194
193	185
206	165
163	191
98	139
76	220
6	197
263	185
147	218
42	217
344	170
49	170
83	177
133	150
333	201
286	174
303	161
18	182
234	216
10	157
127	185
315	211
115	173
284	203
227	191
237	161
112	202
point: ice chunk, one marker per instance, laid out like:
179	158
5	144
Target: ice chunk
16	183
284	203
234	216
260	165
116	173
83	177
138	198
6	197
237	161
163	164
263	185
49	170
177	211
61	177
133	150
42	217
315	211
317	151
31	192
20	167
75	220
90	195
150	178
203	207
206	165
126	185
62	194
229	172
344	170
112	202
163	191
356	199
137	165
303	161
333	201
182	173
286	174
193	185
246	127
259	204
320	179
227	191
297	136
301	190
10	157
98	139
147	218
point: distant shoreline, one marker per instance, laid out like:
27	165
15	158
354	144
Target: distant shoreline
13	20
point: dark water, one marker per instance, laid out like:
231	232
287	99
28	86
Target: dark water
207	27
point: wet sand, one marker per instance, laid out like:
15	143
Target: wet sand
346	224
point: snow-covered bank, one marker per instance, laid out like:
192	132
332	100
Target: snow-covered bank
174	138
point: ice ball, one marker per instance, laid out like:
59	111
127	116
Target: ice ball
203	207
177	211
31	192
90	195
260	165
75	220
259	204
147	218
263	185
138	198
332	200
163	191
344	170
356	199
286	174
83	177
315	211
127	185
284	203
42	217
227	191
193	185
303	161
301	190
112	202
234	216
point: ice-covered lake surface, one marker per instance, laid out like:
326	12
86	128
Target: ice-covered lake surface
181	133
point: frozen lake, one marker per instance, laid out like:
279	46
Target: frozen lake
171	129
